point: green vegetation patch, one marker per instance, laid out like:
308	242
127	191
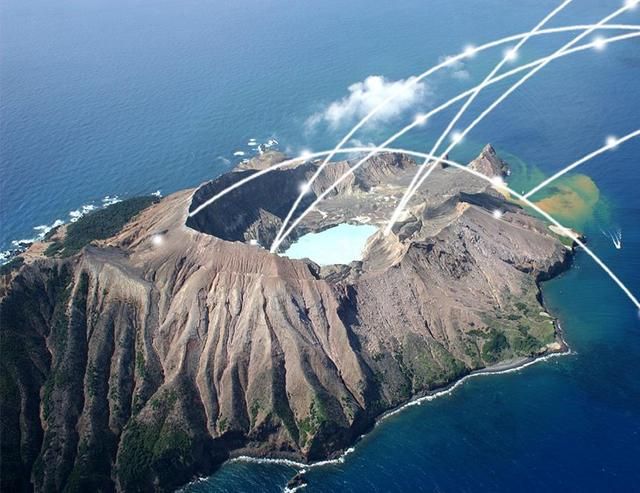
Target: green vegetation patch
565	240
91	472
428	364
156	448
13	264
309	426
149	450
494	347
98	225
519	328
255	409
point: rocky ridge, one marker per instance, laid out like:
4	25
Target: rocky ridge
155	355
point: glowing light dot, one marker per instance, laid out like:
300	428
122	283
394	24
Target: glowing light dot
599	43
305	154
157	240
456	137
612	141
304	187
420	119
511	54
497	214
469	51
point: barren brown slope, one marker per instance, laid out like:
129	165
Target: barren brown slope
134	365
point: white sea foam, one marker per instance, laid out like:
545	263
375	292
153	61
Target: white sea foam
25	242
108	200
292	490
42	229
293	463
302	467
267	460
271	143
416	402
487	372
199	479
5	255
78	213
260	148
45	228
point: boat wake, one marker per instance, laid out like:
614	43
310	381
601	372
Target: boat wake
615	237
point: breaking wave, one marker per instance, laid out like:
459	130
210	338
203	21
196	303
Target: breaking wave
303	467
40	231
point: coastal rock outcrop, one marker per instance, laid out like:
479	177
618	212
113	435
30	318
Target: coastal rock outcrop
155	355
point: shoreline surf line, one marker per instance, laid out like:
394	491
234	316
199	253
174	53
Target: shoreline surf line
502	368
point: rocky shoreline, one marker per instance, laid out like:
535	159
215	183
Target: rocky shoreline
298	481
154	355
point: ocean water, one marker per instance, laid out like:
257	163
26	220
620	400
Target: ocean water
117	98
340	244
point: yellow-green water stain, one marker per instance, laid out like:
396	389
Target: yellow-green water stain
573	200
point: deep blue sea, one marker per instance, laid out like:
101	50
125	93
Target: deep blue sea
118	98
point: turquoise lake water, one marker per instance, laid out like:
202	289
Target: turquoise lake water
340	244
101	98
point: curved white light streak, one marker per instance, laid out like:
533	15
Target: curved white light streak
307	155
510	55
608	146
454	164
415	123
425	174
466	53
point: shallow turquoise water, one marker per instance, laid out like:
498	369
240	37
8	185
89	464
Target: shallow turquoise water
117	97
341	244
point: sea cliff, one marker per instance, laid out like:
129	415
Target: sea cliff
145	358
